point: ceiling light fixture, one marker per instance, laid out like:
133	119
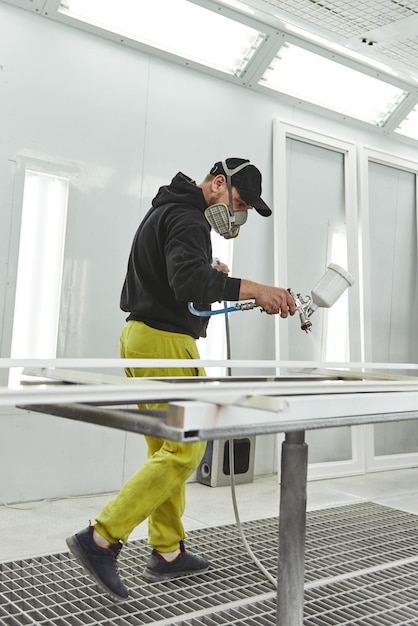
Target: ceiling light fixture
326	83
343	50
409	126
236	4
177	27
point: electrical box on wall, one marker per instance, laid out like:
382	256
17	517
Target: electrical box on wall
214	469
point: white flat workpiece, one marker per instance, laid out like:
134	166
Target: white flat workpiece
292	408
146	390
205	408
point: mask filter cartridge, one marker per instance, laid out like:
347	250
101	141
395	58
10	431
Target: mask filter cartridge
223	222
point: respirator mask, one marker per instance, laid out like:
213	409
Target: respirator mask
223	219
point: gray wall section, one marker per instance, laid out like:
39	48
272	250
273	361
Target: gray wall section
393	280
123	123
393	264
315	198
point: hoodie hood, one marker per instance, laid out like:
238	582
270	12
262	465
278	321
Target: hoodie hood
182	190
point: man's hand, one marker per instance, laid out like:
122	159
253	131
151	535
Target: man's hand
220	267
274	300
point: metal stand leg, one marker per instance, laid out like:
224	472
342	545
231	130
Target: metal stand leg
292	530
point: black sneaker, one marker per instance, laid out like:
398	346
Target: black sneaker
185	564
99	562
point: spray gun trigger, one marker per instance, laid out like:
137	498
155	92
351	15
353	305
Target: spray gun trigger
304	310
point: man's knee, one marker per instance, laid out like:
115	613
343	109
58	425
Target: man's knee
190	454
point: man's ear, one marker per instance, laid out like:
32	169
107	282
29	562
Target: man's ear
218	182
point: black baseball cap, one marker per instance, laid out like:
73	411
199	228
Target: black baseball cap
247	181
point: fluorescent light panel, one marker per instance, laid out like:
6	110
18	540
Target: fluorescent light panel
409	126
174	26
336	319
39	273
321	81
336	47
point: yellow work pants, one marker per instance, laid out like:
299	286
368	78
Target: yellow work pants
157	490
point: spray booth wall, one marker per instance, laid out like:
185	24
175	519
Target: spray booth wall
120	123
349	190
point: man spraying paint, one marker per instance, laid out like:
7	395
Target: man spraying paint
170	265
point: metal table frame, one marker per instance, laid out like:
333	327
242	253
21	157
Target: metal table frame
214	409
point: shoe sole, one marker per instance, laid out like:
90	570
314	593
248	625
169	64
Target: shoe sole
81	558
152	577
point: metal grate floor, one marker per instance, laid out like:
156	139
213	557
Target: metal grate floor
361	570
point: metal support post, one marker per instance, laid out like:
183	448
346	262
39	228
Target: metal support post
292	530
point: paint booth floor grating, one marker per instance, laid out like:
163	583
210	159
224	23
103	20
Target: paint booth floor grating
361	570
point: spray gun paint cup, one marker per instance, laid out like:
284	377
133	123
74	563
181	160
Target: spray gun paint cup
331	286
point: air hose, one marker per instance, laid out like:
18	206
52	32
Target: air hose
239	306
232	476
251	554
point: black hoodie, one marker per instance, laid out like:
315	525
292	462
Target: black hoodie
170	263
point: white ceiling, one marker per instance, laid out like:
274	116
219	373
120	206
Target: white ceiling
379	37
384	29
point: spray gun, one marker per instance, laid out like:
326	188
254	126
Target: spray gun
304	310
326	292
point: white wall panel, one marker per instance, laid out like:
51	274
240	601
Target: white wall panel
315	190
84	107
45	457
7	173
391	290
316	194
392	261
